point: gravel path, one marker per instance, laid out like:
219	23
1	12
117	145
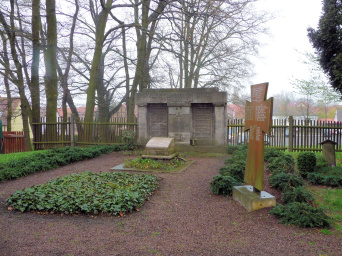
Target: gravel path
181	218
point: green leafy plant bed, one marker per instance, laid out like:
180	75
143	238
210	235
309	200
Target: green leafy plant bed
147	163
92	193
176	165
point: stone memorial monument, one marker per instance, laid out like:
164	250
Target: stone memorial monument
258	120
160	148
195	116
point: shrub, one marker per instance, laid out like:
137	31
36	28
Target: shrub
334	171
271	153
306	163
328	176
129	138
285	181
286	163
232	148
236	170
320	162
301	214
333	181
223	185
315	178
298	194
87	193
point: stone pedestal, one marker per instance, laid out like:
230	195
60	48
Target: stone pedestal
252	200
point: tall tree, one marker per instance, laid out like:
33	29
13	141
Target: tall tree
212	41
64	76
315	85
327	40
146	25
51	82
10	31
35	91
281	104
97	57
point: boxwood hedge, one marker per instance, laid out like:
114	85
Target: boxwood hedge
51	159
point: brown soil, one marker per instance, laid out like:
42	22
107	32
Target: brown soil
181	218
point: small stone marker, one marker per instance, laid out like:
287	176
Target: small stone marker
328	148
160	148
258	119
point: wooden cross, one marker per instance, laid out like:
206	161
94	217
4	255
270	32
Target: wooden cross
258	120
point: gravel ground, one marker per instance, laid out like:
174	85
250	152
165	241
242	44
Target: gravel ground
181	218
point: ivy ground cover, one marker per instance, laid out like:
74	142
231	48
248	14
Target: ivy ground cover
111	192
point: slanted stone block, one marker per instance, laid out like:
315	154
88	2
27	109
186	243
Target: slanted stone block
252	200
160	148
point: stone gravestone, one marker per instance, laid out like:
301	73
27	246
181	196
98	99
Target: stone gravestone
258	120
196	116
328	149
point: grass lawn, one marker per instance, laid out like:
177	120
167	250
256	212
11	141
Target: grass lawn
330	200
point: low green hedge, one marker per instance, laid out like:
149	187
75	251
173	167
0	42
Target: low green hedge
284	162
88	192
302	215
272	153
51	159
232	173
285	181
298	209
223	185
324	179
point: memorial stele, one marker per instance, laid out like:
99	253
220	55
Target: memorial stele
194	116
258	120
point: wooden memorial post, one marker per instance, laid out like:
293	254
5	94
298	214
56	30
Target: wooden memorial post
258	120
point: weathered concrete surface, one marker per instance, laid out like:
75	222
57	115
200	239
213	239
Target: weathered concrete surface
195	116
252	201
160	148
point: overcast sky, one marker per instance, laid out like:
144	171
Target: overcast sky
280	57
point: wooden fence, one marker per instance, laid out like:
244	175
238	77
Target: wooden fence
12	142
60	134
294	135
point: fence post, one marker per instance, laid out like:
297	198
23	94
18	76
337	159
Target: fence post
1	136
72	131
290	133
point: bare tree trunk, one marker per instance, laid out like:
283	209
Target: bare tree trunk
124	50
95	67
6	75
34	85
51	82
